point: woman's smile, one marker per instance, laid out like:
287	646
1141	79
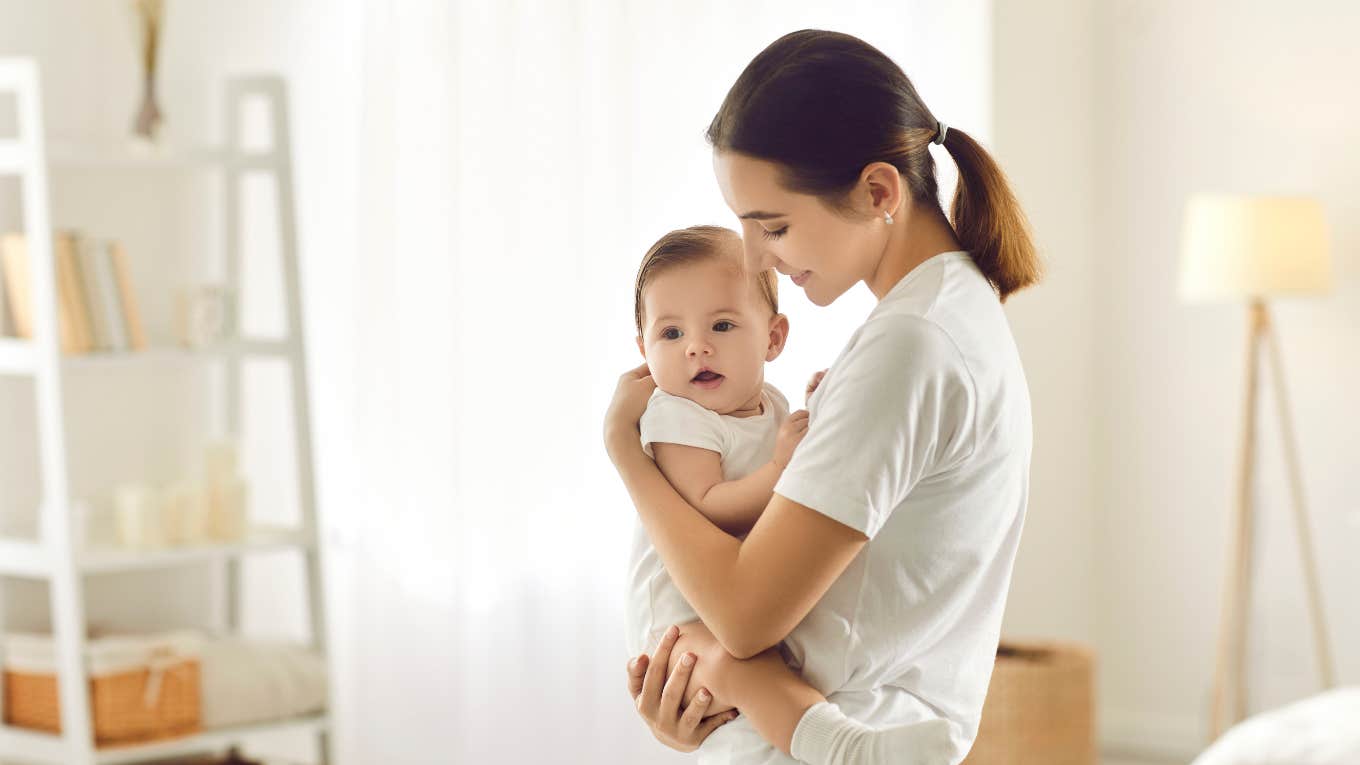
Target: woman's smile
802	278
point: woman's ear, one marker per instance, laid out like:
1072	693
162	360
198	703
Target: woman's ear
779	335
884	185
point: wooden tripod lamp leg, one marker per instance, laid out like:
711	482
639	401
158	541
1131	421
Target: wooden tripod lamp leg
1306	556
1229	696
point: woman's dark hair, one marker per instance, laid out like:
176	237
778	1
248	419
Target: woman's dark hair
824	105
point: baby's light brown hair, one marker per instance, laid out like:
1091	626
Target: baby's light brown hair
697	244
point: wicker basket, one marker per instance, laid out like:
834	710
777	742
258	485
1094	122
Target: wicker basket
1040	707
141	689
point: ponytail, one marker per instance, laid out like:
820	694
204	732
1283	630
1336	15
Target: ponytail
988	220
824	105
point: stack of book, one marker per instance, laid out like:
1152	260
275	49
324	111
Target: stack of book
95	302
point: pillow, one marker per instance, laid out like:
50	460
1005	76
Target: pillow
1319	730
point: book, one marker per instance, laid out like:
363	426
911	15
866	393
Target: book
92	285
87	268
19	286
132	317
106	285
6	323
14	261
75	332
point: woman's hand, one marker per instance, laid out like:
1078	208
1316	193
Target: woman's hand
658	697
625	409
791	434
812	385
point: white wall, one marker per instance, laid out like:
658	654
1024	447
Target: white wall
1043	127
1241	97
1107	116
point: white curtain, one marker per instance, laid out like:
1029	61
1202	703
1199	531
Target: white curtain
517	158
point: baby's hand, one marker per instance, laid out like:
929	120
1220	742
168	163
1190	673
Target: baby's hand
812	385
790	435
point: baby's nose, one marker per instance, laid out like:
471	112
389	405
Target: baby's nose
700	346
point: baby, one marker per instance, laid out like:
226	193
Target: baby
719	433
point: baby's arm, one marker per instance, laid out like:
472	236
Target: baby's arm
733	506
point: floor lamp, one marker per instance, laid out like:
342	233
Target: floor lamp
1251	249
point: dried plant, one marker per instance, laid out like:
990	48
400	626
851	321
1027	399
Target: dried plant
150	21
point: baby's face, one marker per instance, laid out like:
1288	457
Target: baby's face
707	335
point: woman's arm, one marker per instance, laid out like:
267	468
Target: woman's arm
750	592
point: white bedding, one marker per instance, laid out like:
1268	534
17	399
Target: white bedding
1319	730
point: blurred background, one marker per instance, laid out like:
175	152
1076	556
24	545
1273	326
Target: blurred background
365	289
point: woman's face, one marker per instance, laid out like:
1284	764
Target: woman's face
823	251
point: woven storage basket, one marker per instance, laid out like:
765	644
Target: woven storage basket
141	689
1040	707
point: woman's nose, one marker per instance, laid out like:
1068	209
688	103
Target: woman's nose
757	259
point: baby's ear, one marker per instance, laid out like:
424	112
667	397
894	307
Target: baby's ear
642	348
779	335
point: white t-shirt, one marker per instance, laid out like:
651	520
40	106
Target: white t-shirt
919	437
743	445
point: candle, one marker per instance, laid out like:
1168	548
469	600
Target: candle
138	516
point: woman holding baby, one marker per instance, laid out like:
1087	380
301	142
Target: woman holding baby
858	619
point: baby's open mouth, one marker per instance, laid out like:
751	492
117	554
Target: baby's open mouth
706	376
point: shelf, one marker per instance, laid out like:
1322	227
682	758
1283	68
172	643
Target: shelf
72	160
18	744
74	155
13	157
31	560
27	745
214	739
174	354
22	558
17	357
109	560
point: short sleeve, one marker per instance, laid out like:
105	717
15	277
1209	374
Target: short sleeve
897	407
676	420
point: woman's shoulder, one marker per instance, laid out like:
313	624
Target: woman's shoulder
905	339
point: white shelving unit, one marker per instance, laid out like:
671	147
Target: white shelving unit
56	555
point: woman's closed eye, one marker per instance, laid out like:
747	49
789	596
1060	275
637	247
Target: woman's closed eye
774	234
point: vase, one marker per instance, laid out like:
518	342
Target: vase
149	115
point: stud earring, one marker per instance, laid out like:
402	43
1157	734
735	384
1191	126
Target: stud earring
887	218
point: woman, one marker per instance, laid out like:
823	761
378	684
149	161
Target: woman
884	557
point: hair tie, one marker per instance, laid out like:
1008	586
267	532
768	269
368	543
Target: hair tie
941	130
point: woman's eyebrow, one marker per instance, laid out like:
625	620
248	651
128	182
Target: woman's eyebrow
759	215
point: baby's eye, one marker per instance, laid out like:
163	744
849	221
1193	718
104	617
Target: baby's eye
774	234
670	333
724	326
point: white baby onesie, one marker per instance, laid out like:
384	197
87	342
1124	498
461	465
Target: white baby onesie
743	444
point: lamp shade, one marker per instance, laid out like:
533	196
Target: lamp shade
1251	247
